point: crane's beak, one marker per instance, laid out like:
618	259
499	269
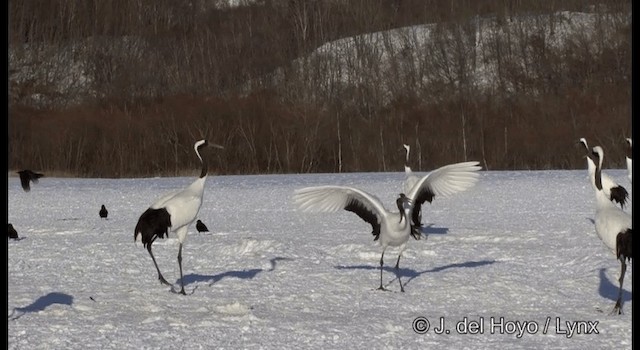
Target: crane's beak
215	145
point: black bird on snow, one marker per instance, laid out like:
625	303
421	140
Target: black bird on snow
201	227
103	212
26	177
13	234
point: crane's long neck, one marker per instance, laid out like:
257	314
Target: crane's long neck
602	200
403	209
205	168
407	168
598	173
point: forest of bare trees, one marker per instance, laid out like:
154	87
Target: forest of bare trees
122	88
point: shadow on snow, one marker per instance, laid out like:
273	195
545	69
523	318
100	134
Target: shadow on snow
242	274
610	290
411	273
430	230
42	303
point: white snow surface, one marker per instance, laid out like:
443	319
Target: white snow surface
520	246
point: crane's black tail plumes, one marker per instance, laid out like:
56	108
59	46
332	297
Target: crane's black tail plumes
619	194
624	245
153	223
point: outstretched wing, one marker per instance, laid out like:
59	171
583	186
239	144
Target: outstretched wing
35	177
443	181
334	198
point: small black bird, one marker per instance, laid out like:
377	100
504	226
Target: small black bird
201	227
26	177
103	212
13	234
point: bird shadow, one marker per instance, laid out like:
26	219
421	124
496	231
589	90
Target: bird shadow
430	230
412	274
241	274
42	303
610	290
591	220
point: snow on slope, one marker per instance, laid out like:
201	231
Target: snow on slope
431	53
520	245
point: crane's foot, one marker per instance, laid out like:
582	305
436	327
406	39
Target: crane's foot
383	289
164	281
182	291
617	309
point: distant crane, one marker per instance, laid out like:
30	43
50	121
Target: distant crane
174	212
27	177
389	228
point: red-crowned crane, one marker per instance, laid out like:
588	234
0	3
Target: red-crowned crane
174	212
613	226
390	229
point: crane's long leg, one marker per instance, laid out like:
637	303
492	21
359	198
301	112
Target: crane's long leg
381	263
180	265
617	309
164	281
398	272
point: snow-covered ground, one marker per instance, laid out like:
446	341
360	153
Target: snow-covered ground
517	250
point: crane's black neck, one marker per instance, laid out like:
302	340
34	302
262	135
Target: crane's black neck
205	168
406	157
629	151
400	203
598	173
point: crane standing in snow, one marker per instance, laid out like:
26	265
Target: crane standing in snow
390	229
173	212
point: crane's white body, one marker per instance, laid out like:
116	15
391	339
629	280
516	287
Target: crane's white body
610	219
183	206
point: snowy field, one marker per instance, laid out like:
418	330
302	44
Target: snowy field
518	250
